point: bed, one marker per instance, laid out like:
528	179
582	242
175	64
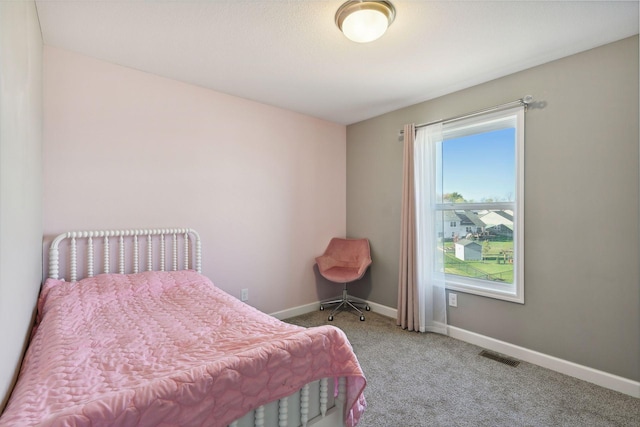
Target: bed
155	343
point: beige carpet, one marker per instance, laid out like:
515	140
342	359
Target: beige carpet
432	380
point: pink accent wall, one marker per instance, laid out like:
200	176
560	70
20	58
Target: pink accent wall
265	187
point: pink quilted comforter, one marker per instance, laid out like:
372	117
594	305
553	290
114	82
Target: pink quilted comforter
166	349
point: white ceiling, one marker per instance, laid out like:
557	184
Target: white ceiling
290	54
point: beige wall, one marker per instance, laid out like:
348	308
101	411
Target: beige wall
582	292
265	187
20	182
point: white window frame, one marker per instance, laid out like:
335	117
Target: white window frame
513	292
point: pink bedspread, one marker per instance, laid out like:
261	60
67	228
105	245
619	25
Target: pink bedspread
166	349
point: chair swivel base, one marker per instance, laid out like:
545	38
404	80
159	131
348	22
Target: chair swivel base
345	302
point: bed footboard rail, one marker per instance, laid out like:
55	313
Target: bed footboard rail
313	405
128	240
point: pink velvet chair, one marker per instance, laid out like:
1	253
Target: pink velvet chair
344	261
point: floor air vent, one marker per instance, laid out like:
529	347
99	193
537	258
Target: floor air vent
499	358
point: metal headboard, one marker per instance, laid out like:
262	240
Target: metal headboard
128	240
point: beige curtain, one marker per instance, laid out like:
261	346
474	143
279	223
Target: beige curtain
408	302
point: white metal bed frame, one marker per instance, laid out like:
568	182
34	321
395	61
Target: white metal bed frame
313	405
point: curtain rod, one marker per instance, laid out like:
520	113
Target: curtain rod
525	100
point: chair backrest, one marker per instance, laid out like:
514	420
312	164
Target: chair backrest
351	251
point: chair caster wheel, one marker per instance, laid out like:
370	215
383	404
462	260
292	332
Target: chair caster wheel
330	318
367	308
362	318
322	308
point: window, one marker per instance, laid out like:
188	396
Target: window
479	179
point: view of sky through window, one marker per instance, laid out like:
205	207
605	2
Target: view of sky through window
480	167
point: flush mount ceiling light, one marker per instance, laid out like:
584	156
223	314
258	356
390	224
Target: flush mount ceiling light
365	21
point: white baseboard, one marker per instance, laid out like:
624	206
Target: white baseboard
296	311
562	366
383	309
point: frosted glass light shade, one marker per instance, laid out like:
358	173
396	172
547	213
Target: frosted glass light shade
364	21
364	26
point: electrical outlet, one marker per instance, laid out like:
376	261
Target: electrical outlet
453	300
245	295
